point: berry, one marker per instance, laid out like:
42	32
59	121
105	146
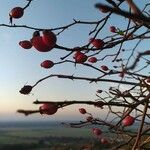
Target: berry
81	58
98	43
47	64
48	108
103	9
16	12
99	91
121	74
128	121
39	45
49	38
105	68
82	111
25	44
113	29
97	131
148	80
99	104
92	59
89	118
76	54
26	89
104	141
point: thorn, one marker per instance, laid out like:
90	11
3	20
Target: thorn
10	20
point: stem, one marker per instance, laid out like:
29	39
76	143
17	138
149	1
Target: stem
137	142
27	112
87	79
66	103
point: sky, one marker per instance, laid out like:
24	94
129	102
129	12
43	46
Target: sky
19	66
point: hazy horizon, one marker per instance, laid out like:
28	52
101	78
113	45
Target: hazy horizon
20	66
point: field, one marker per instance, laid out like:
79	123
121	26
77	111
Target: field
45	136
42	136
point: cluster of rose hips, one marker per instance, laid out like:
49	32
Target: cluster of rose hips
81	57
47	42
104	10
127	121
113	29
96	131
43	43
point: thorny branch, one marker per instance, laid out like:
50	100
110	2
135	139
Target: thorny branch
135	99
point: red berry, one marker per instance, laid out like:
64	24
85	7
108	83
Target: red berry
89	118
128	121
148	80
105	68
82	111
97	131
103	9
121	74
113	29
16	12
129	36
49	38
26	89
81	58
48	108
99	91
99	104
98	43
104	141
39	45
47	64
76	54
92	59
25	44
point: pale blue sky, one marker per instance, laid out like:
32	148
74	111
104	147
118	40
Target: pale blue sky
19	66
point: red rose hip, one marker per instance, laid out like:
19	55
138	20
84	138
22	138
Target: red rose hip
89	118
98	43
81	58
97	131
105	68
121	74
47	64
16	12
113	29
38	43
25	44
76	54
104	141
92	60
103	10
82	111
148	80
48	108
128	120
49	38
